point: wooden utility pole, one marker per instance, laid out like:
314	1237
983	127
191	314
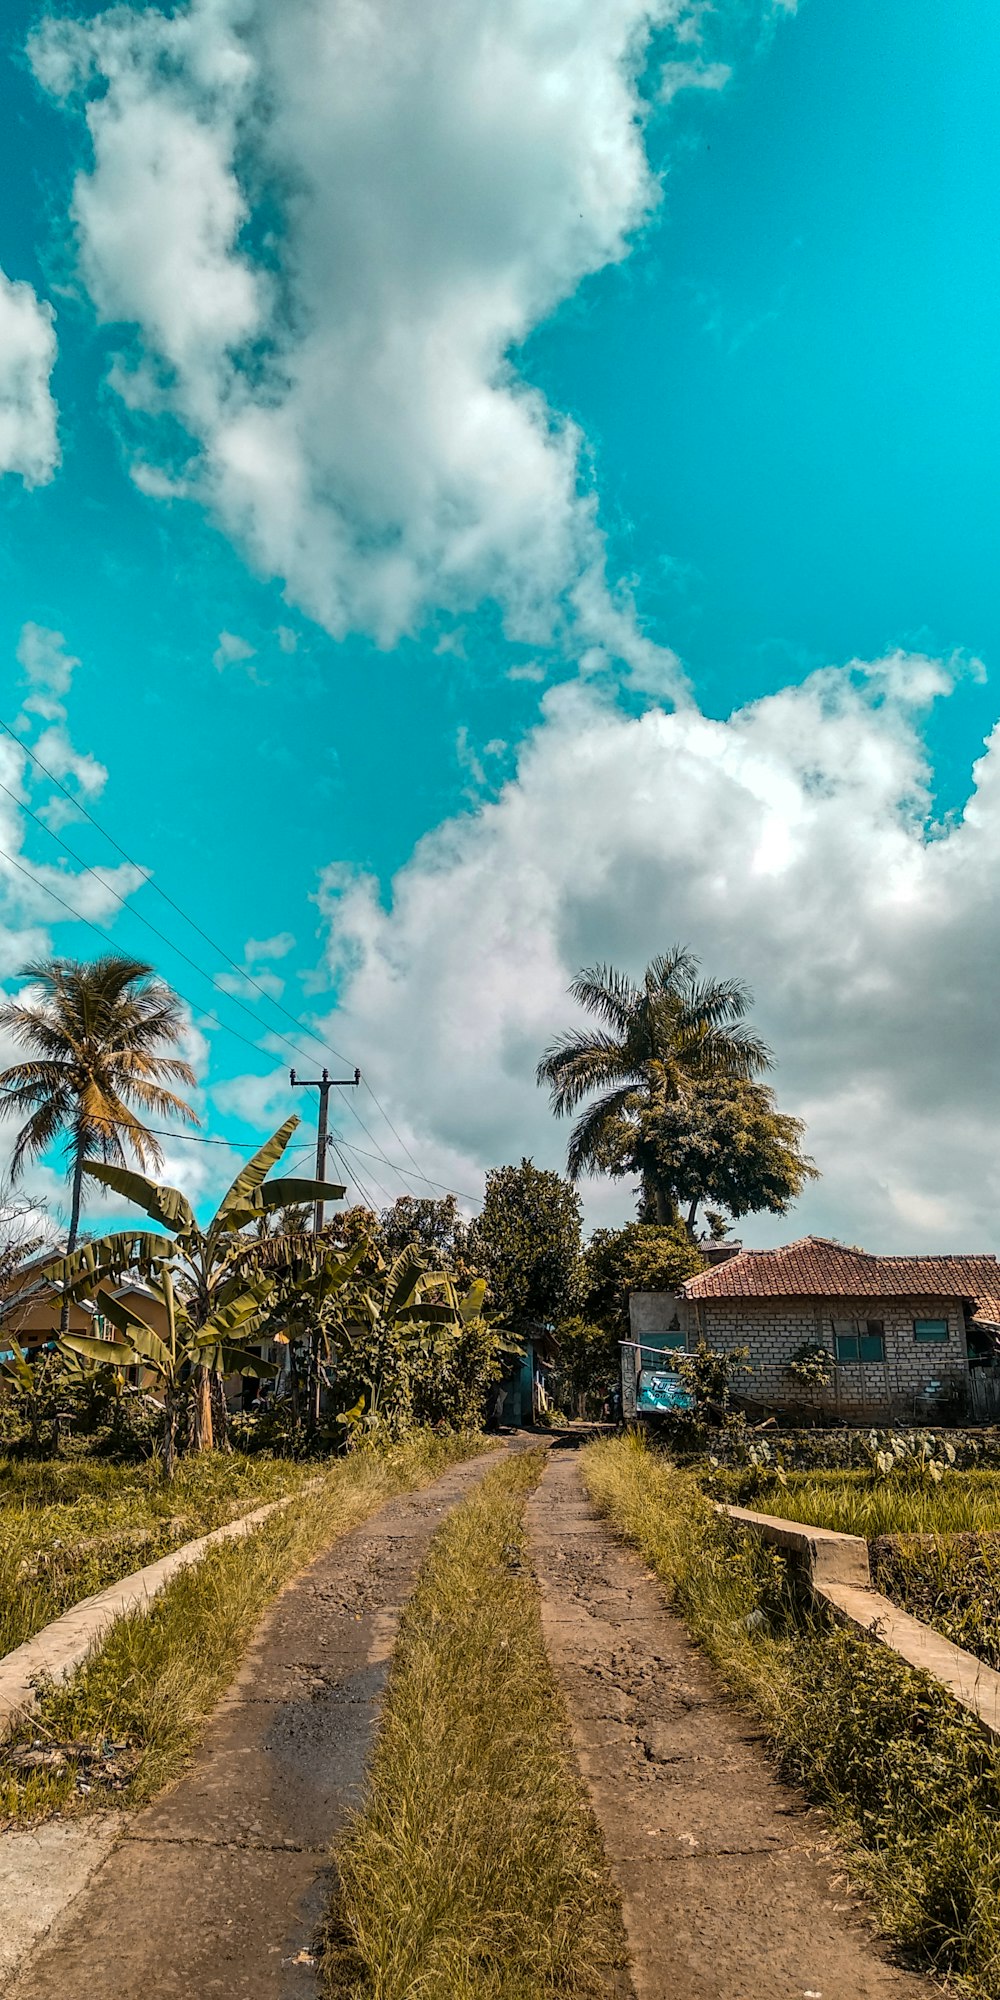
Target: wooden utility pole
324	1084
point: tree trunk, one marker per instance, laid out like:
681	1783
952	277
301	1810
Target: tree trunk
691	1214
201	1428
169	1435
74	1220
220	1414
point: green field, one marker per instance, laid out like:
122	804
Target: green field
68	1528
865	1503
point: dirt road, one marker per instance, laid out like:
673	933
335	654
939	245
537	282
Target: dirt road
729	1882
217	1887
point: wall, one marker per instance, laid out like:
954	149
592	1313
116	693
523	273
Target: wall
773	1328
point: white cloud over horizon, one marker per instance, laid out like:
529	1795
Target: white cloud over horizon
792	844
328	230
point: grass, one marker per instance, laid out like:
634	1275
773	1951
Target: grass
863	1503
69	1528
123	1725
919	1818
475	1870
951	1582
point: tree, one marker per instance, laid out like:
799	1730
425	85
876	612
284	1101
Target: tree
526	1243
436	1227
96	1032
680	1102
723	1145
214	1283
642	1257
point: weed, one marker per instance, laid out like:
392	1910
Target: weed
475	1870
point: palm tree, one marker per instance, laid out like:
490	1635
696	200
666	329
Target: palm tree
661	1039
95	1031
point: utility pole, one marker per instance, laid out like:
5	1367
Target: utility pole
324	1084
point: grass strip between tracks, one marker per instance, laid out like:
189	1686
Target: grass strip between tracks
475	1870
123	1724
911	1781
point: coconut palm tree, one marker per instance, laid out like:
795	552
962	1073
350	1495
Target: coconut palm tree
96	1032
661	1039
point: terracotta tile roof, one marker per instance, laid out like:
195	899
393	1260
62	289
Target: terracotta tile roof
816	1267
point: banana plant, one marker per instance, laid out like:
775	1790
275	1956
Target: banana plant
213	1283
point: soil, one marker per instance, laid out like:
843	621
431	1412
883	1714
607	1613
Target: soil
731	1884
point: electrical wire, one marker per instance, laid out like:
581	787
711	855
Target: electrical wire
241	971
443	1185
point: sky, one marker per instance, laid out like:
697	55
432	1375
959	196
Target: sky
497	487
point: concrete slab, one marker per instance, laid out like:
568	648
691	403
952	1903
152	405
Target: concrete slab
42	1871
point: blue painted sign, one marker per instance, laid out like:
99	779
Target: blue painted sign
662	1389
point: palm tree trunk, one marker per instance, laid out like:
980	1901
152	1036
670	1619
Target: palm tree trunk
74	1219
201	1429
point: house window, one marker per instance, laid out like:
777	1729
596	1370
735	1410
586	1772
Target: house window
858	1340
930	1332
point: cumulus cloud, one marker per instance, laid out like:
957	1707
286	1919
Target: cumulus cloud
330	227
793	844
232	651
28	441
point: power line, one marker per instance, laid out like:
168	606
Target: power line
443	1185
210	978
99	931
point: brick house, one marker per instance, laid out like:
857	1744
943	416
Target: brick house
900	1332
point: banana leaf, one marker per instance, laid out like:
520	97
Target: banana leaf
253	1173
106	1257
113	1353
143	1338
165	1205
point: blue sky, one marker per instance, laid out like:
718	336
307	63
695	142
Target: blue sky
780	376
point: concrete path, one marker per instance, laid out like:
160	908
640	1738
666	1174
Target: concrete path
731	1885
216	1889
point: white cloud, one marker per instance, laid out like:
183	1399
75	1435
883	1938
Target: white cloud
232	651
792	844
28	442
443	178
48	667
277	946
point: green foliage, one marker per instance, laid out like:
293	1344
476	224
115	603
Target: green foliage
708	1374
213	1283
721	1142
94	1033
811	1365
527	1244
408	1350
642	1257
949	1581
866	1502
587	1370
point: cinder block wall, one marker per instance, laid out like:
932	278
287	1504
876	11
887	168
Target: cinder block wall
773	1329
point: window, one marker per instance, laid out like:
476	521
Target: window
858	1340
930	1332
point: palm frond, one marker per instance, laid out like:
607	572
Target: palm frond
591	1130
577	1064
609	994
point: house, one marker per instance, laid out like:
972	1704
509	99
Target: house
522	1393
31	1311
903	1335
